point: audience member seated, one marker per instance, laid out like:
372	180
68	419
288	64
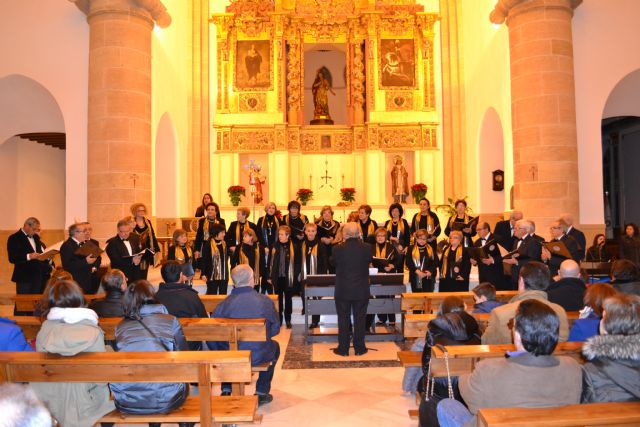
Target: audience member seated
245	303
589	322
114	284
625	277
148	326
598	250
11	337
568	292
612	373
69	329
484	296
180	298
532	283
413	375
20	407
456	327
529	377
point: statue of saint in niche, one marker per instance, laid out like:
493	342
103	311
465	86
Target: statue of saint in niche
256	179
399	183
320	90
252	62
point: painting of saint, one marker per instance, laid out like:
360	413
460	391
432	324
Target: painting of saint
253	64
397	64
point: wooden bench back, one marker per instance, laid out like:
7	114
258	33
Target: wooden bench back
203	367
195	329
430	301
592	414
498	350
27	303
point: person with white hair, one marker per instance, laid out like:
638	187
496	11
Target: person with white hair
351	260
505	230
245	303
20	407
527	248
576	234
568	291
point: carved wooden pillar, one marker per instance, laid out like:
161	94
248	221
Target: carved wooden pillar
294	78
357	83
543	115
119	114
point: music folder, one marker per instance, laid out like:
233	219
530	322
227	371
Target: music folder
380	262
459	226
478	253
558	248
87	249
45	256
505	253
140	253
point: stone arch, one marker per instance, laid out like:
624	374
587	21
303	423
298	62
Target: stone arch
490	157
35	171
166	169
623	98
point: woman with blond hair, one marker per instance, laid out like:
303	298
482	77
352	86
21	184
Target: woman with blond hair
146	236
455	265
328	232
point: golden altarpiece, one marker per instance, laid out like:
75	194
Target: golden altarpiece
271	57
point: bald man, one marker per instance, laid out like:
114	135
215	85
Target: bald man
351	260
568	291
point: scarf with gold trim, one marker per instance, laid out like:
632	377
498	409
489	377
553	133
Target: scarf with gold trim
217	260
312	253
415	255
445	259
244	259
275	251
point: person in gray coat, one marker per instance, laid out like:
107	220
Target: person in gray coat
613	368
148	326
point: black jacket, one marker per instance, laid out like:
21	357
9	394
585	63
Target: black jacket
76	265
119	256
574	249
351	260
530	250
581	240
503	234
110	306
612	372
567	293
630	249
18	247
493	273
181	300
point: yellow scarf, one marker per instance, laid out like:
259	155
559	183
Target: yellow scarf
400	228
144	236
217	259
381	253
370	228
291	261
415	255
287	218
452	219
186	249
312	268
239	227
416	221
205	226
256	268
445	259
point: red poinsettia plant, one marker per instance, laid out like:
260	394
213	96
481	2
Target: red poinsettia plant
348	194
418	191
304	195
235	191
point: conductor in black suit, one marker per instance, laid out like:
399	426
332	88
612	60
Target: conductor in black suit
351	260
80	267
504	231
23	249
120	249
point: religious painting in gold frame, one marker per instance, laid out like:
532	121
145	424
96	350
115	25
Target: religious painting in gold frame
253	64
397	63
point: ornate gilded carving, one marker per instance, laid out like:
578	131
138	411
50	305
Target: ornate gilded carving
400	138
252	102
293	138
252	141
281	139
360	138
425	22
258	7
325	19
373	138
429	137
293	76
398	101
328	141
357	77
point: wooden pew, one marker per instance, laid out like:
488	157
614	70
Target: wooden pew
592	414
430	301
415	325
27	303
202	367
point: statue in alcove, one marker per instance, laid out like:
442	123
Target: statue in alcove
321	88
399	183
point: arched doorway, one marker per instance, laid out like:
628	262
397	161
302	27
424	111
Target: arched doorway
33	166
491	158
620	154
166	173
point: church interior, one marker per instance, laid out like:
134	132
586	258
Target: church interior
527	105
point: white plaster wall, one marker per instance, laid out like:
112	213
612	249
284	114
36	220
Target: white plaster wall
606	46
37	172
487	85
47	41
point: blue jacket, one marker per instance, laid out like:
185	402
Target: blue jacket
11	337
245	303
583	329
486	306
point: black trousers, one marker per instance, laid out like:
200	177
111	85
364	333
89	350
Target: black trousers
344	309
285	299
264	287
217	287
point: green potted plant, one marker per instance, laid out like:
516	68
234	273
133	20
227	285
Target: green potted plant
304	195
418	191
235	191
348	195
450	209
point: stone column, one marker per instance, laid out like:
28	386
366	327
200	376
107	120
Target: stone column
119	122
543	114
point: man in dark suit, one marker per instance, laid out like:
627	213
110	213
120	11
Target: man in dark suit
576	234
120	249
351	260
504	231
490	269
528	249
558	232
95	271
80	267
23	248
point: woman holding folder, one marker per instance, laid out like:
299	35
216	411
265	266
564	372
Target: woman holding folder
461	221
422	262
455	265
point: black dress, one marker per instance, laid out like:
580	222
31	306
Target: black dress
455	268
421	258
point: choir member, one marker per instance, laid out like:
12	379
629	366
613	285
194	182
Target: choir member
384	249
146	236
527	248
296	221
267	227
123	251
490	269
427	220
236	230
398	233
366	225
558	232
200	210
203	234
181	249
462	220
327	231
215	262
95	271
80	266
23	248
422	262
249	253
282	272
504	231
578	235
313	260
455	265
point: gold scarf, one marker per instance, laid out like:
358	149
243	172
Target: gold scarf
445	259
400	228
370	228
453	219
205	226
239	227
415	255
416	221
312	268
256	268
381	253
287	219
217	259
291	261
186	249
145	236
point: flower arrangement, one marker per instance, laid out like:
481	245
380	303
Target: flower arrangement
450	208
304	195
348	194
235	191
418	191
